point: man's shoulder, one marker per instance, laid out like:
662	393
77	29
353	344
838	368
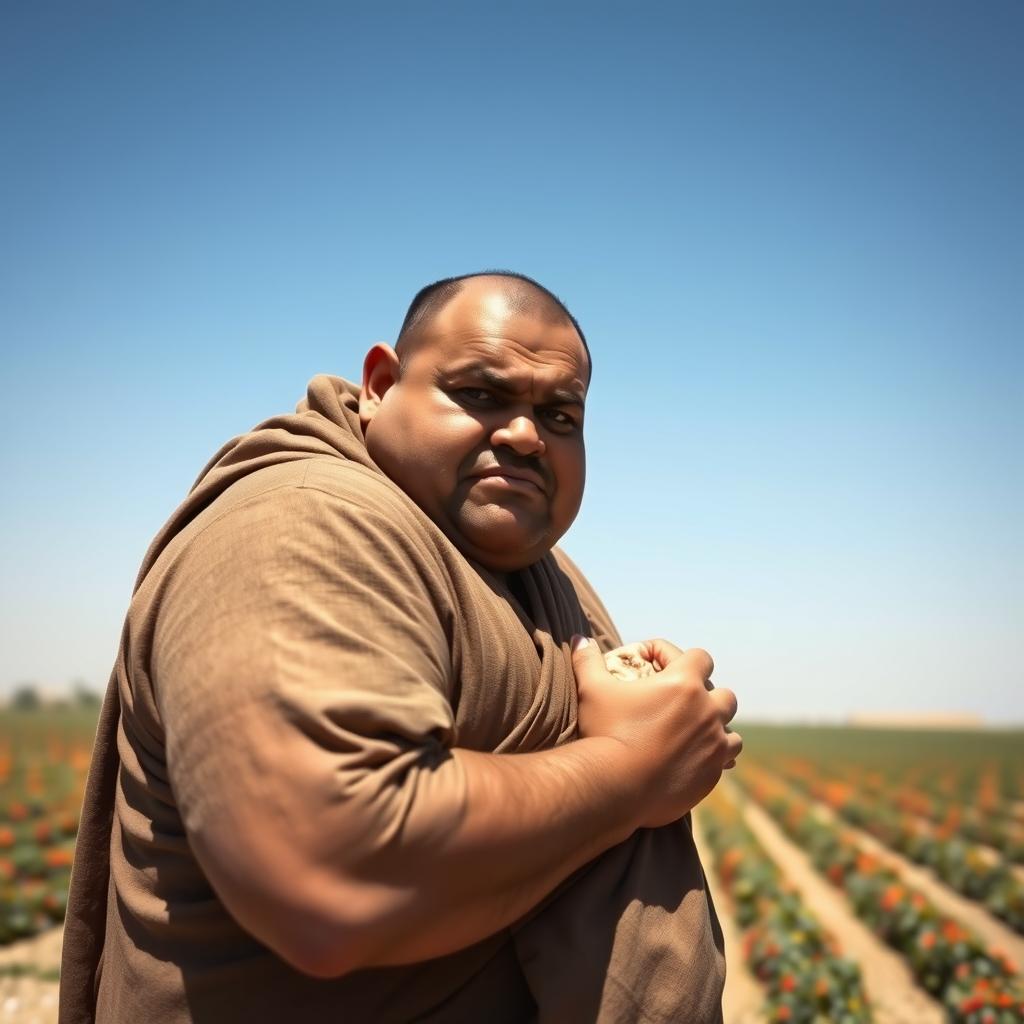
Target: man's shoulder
315	500
316	517
312	482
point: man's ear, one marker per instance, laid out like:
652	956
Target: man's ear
380	370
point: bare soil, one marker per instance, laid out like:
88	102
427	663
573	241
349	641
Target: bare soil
30	997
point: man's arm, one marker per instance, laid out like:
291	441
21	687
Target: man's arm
523	824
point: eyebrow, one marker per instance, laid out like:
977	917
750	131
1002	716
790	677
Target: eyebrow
484	373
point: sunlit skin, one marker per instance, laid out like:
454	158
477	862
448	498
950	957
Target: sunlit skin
484	427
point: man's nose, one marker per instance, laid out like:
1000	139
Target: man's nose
520	434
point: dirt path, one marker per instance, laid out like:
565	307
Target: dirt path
29	998
743	997
890	986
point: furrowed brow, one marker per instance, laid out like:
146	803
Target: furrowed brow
485	374
565	397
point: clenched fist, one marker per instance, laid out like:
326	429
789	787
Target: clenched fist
659	702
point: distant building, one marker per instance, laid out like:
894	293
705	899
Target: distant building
915	720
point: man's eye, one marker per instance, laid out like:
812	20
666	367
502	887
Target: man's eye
559	418
476	395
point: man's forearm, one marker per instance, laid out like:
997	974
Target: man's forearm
528	821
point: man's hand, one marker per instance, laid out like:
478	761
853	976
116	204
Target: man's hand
673	724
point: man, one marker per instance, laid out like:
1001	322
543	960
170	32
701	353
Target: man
346	768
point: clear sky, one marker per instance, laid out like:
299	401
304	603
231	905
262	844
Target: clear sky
793	232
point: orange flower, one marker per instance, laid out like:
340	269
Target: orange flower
788	983
728	864
835	794
927	939
783	1013
58	858
892	896
866	864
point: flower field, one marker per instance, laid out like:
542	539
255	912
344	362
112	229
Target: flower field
44	756
917	835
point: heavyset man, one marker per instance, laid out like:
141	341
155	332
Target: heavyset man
350	766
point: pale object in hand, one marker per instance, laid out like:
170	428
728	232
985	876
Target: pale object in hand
628	662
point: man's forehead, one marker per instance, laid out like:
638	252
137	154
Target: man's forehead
512	363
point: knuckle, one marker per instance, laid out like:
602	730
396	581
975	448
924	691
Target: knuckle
700	657
726	696
691	685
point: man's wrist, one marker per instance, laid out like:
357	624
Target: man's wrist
614	772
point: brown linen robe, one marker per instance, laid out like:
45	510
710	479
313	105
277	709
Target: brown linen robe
300	620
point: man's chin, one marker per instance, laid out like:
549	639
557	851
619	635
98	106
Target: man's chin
502	546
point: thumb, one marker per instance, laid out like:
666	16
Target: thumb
584	651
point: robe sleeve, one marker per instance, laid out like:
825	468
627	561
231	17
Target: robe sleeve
301	668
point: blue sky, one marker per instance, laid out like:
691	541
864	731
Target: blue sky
794	234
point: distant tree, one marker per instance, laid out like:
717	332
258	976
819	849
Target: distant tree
26	698
84	696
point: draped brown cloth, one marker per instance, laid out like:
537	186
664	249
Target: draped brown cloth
300	619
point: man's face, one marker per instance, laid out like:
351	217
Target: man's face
484	427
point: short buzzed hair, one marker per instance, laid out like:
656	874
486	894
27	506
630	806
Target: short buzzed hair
430	300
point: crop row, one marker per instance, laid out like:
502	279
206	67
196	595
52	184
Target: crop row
980	822
969	869
805	977
980	817
977	985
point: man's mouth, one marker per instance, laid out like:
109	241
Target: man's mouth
523	479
